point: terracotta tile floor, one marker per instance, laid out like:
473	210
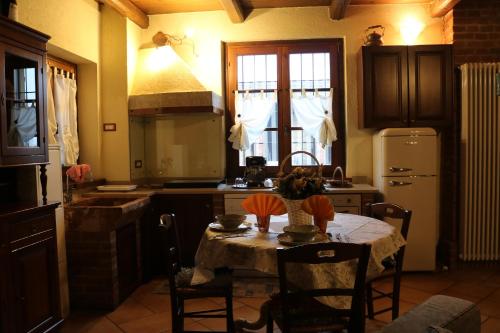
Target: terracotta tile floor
147	312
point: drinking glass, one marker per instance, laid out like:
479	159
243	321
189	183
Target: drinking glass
263	223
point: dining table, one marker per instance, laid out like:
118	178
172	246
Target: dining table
248	248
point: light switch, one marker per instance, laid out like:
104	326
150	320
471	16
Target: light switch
109	127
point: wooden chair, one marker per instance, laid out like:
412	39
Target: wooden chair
179	279
297	310
381	211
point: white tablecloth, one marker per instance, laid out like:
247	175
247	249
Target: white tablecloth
257	251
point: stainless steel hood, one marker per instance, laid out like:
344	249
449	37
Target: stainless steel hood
163	83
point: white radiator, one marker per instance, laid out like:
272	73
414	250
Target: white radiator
480	162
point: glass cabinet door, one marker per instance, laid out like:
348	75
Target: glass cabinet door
22	126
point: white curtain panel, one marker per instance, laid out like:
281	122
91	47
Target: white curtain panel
23	125
314	114
65	109
51	110
251	117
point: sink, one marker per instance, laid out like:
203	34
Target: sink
336	183
98	214
102	202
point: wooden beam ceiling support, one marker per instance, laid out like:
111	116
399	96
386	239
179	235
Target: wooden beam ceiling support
128	9
338	8
441	7
234	10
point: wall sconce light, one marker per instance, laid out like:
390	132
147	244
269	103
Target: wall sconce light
410	28
162	39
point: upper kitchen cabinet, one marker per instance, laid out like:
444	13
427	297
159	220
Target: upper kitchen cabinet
23	129
406	86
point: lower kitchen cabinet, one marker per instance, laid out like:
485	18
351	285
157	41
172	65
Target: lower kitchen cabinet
193	213
29	284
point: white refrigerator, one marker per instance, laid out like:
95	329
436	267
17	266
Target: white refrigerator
405	171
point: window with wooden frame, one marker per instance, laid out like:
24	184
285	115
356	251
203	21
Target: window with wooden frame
285	69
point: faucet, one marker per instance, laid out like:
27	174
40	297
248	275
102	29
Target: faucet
339	168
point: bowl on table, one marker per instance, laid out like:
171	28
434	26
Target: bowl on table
301	232
230	221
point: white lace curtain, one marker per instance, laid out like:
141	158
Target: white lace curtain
314	114
62	117
252	115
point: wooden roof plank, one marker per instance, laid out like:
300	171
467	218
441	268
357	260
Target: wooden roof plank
441	7
129	10
337	9
234	10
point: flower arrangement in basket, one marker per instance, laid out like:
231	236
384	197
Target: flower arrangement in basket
301	182
298	185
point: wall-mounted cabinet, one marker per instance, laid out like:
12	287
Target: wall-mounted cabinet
407	86
22	95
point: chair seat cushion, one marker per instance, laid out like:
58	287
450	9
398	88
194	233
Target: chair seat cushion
219	286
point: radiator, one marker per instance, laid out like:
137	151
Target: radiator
480	162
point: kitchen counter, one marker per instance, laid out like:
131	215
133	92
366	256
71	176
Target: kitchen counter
221	189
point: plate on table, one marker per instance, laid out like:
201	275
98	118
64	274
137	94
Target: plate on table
285	239
219	227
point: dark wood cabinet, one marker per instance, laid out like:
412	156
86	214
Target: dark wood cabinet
193	214
29	286
22	95
407	86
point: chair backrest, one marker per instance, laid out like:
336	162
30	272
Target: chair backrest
170	238
326	253
382	210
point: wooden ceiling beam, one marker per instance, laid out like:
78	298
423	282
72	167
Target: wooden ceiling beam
234	10
441	7
129	10
337	9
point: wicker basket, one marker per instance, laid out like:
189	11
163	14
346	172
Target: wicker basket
295	213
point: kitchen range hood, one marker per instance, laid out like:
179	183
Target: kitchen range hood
163	83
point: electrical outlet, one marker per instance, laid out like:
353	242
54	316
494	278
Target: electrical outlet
138	164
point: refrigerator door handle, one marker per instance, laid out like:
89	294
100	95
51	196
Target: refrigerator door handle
399	183
396	169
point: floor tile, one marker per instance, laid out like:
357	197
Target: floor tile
475	291
253	302
128	311
192	325
155	302
428	282
408	294
492	309
156	323
386	317
99	325
495	296
492	325
200	304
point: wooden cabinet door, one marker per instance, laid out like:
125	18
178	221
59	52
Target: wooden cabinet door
430	85
193	213
385	86
35	285
127	260
22	97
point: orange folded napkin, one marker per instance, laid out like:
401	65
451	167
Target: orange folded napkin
321	208
264	205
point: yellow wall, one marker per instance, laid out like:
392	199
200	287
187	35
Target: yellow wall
114	95
72	24
297	23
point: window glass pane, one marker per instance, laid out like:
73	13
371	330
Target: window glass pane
266	145
261	72
314	69
300	141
